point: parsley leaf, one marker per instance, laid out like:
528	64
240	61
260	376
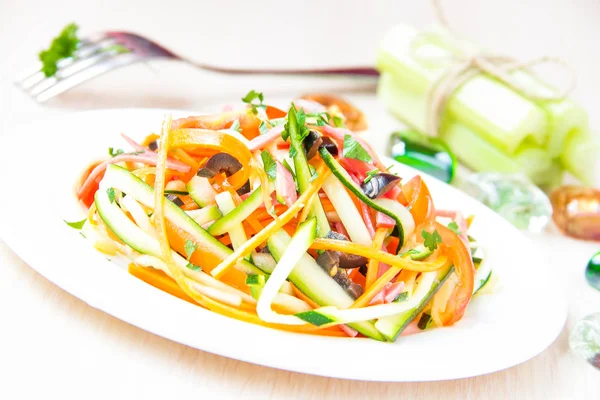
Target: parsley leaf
189	248
115	152
77	224
431	239
303	131
193	267
269	164
250	98
338	122
236	126
371	174
353	149
454	227
63	46
111	194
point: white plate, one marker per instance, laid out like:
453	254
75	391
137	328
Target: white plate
40	163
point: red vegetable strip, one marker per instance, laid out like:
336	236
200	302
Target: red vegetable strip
136	145
366	214
339	133
141	158
384	221
284	185
261	141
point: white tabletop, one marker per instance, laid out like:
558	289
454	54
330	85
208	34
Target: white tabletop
56	346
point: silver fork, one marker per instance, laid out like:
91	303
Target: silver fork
111	50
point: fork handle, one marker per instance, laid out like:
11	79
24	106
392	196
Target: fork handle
343	71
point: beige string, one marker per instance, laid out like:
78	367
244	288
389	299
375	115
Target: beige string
466	64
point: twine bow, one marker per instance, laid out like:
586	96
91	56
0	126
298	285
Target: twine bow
465	64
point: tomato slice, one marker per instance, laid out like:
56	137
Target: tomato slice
457	251
419	199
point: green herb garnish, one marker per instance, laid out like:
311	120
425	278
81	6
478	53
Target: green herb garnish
189	248
453	226
193	267
353	149
115	152
338	122
63	46
250	98
111	194
301	130
370	175
269	164
77	224
431	239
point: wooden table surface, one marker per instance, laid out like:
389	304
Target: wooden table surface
56	346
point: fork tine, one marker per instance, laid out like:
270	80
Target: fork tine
87	49
81	75
64	73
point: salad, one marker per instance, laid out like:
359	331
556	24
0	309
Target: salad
285	219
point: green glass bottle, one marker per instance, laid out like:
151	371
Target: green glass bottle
592	272
427	154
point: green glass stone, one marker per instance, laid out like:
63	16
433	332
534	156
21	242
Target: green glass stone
585	339
592	272
513	196
427	154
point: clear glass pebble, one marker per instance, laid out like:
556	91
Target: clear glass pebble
585	339
513	196
592	272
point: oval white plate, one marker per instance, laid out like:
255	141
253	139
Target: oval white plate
40	163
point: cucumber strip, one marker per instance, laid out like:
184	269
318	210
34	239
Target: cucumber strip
402	218
346	210
315	283
123	180
236	216
201	191
426	286
304	236
483	274
304	176
332	315
122	226
236	231
205	215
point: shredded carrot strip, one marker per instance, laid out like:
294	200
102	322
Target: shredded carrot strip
181	155
225	239
262	213
323	172
254	223
375	288
307	208
188	203
387	258
161	281
373	266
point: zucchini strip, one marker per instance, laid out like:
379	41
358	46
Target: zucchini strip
274	226
295	250
378	204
